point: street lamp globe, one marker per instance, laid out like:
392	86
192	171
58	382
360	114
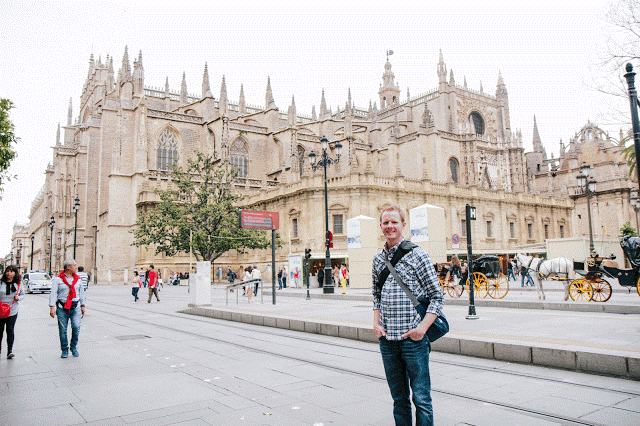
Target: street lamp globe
585	169
325	143
76	204
338	147
582	180
312	158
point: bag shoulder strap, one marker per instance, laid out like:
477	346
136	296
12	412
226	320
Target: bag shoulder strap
404	248
403	286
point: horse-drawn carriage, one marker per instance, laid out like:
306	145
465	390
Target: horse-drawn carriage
593	286
487	279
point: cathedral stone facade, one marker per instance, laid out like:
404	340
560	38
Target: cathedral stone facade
610	203
448	147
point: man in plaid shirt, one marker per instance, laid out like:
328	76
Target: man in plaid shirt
404	345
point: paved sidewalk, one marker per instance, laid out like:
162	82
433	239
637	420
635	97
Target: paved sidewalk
519	328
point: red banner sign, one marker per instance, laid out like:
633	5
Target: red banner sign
259	220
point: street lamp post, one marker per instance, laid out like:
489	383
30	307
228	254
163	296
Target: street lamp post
52	222
589	186
19	254
324	162
76	207
636	206
32	238
635	121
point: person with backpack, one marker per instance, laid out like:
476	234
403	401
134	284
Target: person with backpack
400	328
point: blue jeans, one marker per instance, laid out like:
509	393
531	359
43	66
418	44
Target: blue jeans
510	274
406	365
529	280
64	315
279	283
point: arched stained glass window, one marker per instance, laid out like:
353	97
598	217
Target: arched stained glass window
453	165
478	123
167	153
301	158
240	157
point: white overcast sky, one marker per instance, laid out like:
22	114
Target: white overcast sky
544	50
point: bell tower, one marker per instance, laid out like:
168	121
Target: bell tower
389	91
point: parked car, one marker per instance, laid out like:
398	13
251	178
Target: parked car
36	281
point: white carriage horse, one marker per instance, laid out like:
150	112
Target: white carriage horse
558	266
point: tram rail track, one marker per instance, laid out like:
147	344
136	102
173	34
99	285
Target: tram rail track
566	420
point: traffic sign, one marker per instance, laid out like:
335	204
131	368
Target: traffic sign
455	239
259	220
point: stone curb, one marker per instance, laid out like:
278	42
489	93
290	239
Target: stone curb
568	359
491	303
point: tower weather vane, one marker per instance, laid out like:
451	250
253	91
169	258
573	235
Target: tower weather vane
389	52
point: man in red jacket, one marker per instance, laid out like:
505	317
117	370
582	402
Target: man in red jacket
153	284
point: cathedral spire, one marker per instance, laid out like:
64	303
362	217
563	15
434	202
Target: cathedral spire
223	103
349	98
452	82
323	107
70	112
500	81
138	75
465	83
314	116
125	69
183	89
537	143
58	135
481	89
292	112
206	89
166	87
268	99
242	106
442	69
347	108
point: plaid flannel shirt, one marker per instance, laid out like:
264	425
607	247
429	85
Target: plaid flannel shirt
397	314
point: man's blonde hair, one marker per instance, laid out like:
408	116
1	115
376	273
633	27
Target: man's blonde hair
394	209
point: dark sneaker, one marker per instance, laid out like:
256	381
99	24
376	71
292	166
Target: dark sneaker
74	351
10	356
64	354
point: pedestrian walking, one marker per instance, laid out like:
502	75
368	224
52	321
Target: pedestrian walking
146	278
136	283
219	274
246	276
344	276
296	277
320	277
280	279
335	275
284	276
66	301
524	272
153	283
256	275
84	277
404	345
10	294
510	268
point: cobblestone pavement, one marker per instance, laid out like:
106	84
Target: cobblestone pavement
148	364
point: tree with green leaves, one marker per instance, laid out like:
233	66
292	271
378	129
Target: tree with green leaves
198	214
627	229
7	140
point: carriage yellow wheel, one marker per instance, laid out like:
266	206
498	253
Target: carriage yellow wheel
480	285
455	291
601	290
638	286
441	281
498	287
580	290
